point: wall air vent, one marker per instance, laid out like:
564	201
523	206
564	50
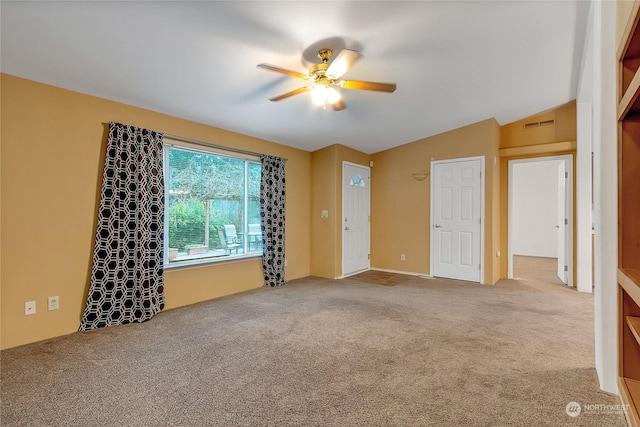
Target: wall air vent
543	123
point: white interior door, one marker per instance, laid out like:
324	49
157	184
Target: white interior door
456	219
355	215
562	222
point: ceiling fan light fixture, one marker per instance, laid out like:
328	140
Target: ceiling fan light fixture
319	95
322	95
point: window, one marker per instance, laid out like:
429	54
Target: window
212	206
356	180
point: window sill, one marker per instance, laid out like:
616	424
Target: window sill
203	262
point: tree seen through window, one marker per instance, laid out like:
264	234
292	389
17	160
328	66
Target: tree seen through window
206	192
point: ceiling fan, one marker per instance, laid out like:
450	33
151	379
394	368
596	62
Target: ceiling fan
325	75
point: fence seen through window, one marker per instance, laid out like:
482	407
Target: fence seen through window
212	207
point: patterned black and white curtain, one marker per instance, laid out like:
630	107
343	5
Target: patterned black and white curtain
272	212
127	283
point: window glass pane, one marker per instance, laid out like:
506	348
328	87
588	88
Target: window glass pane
356	180
254	233
210	200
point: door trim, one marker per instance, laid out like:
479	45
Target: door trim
568	160
340	221
482	211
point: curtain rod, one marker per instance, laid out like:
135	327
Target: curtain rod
210	145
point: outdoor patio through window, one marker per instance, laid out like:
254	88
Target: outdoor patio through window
212	206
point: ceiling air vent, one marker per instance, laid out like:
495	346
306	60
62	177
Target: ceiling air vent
539	124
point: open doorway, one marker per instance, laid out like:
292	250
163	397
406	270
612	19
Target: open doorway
541	219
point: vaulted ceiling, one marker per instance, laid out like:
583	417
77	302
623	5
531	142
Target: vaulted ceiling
454	62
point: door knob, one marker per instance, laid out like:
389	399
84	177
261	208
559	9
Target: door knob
346	228
436	226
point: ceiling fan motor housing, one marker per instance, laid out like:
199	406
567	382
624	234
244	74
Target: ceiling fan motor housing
318	70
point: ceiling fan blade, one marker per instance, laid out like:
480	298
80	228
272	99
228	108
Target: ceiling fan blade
288	94
283	71
360	85
341	64
338	105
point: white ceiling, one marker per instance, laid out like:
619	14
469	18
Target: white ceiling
454	62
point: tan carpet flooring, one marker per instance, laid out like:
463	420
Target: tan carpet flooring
321	352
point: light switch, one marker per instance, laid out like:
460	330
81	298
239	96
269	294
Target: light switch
324	214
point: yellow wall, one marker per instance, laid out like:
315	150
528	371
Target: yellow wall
514	135
53	145
492	257
326	194
544	140
400	205
323	242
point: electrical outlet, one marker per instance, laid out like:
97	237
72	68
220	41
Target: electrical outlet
29	308
402	257
53	303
